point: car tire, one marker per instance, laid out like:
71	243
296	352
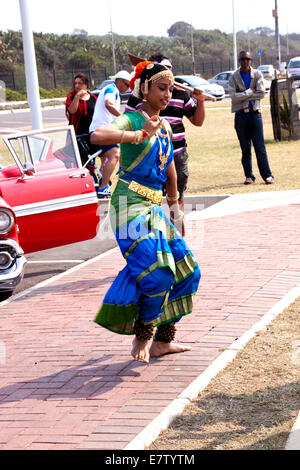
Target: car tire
5	295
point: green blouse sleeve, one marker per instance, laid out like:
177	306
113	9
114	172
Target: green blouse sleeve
123	123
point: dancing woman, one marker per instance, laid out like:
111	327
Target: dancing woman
156	287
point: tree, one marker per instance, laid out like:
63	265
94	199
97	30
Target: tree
262	31
181	29
81	58
80	32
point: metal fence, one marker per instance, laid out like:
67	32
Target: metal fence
49	79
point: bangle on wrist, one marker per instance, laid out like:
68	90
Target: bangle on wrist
138	136
122	137
145	134
172	198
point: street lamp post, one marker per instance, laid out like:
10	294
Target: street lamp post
234	37
32	82
278	59
193	53
112	43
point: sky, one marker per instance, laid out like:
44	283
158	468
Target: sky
149	17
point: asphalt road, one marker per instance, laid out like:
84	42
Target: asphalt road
19	119
44	264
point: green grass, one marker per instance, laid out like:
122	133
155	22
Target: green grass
215	156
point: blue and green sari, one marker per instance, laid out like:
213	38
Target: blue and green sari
161	275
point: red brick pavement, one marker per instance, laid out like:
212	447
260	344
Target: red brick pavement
69	384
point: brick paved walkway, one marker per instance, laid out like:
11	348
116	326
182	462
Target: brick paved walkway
67	383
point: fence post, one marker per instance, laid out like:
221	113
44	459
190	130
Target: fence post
90	75
13	79
54	79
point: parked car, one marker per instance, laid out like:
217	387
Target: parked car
224	77
268	71
123	96
194	81
293	70
46	198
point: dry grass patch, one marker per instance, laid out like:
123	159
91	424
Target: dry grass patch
250	405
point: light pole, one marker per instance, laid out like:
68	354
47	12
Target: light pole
112	41
287	43
193	54
234	38
278	59
32	82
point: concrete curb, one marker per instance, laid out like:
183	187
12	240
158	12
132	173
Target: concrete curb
21	106
293	442
176	407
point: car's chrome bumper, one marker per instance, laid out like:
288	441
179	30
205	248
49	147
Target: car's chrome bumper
11	277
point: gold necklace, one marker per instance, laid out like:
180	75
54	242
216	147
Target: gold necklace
162	157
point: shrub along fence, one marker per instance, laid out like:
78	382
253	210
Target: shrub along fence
50	79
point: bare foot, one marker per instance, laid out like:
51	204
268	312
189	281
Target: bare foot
159	348
140	350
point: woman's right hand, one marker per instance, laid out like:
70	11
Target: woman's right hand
152	125
81	93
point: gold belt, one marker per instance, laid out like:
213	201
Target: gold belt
154	195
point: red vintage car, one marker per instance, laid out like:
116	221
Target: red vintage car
46	198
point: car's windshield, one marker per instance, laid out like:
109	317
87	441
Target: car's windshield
194	81
44	148
294	63
264	67
6	158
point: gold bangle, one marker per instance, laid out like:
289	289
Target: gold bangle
122	136
172	198
138	137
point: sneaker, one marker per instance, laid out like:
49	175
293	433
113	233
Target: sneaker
249	181
269	180
104	192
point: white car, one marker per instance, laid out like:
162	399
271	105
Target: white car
197	82
294	70
268	71
223	80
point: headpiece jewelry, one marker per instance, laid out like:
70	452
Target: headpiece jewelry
135	82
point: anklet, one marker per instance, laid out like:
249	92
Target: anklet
143	331
165	333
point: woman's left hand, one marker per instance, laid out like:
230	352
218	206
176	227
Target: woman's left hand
177	219
152	125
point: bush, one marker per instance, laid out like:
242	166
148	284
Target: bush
11	95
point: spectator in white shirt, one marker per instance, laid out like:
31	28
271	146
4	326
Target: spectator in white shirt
106	110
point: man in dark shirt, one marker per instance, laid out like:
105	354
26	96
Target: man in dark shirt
181	105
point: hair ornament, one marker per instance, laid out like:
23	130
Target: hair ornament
137	73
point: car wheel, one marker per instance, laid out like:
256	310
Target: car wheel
5	295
